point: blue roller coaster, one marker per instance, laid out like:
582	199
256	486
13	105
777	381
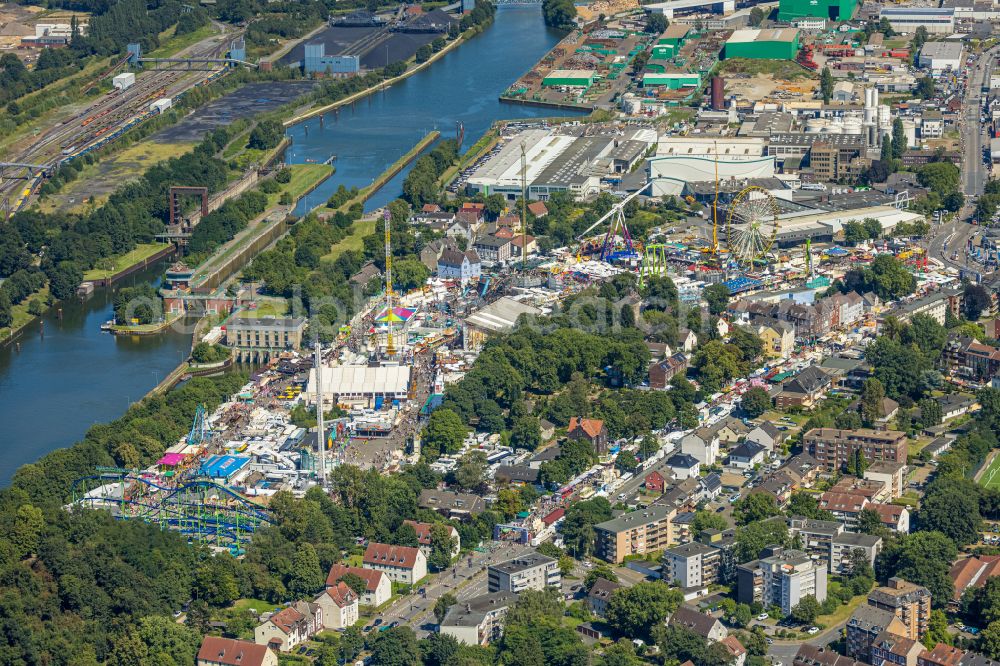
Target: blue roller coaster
204	511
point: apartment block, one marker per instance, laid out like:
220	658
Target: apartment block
909	602
634	533
835	448
781	578
533	571
692	564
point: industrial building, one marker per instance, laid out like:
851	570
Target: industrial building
316	61
670	42
834	10
937	20
572	78
560	161
672	7
941	56
671	79
770	44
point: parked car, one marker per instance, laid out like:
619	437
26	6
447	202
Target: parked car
762	617
812	631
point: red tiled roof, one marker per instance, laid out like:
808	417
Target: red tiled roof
592	427
888	513
656	478
554	516
845	502
399	556
733	645
973	572
943	654
538	208
233	652
370	576
341	594
286	619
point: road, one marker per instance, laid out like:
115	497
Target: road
784	652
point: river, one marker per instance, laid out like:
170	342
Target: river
462	86
56	386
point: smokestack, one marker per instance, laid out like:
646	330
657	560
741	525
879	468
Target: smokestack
718	94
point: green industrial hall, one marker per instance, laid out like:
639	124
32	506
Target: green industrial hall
834	10
770	44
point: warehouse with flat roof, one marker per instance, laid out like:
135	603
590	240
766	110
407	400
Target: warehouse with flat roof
574	78
834	10
769	44
937	20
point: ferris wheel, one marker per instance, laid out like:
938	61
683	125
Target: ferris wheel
752	225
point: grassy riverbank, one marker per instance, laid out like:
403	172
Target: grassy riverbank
120	262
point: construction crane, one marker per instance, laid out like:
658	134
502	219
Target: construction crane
320	429
524	205
390	348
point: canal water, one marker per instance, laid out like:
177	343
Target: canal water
463	86
63	381
69	375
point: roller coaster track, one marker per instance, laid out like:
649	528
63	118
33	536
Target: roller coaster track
206	512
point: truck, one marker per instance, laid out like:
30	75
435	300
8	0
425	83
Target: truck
123	81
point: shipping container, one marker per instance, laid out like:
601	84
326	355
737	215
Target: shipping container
123	81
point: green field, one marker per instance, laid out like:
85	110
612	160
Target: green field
353	241
991	477
122	261
304	178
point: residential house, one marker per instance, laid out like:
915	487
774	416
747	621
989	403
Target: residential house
730	430
493	248
523	239
451	504
722	327
889	472
480	620
781	578
942	655
692	565
532	571
703	444
461	266
683	466
711	486
289	627
969	359
767	435
865	625
813	655
845	506
548	454
518	475
804	389
893	516
686	340
890	648
836	448
972	573
378	588
654	482
954	405
538	209
462	227
634	533
366	274
778	484
218	651
591	430
887	409
699	623
778	336
431	253
402	564
423	531
875	490
340	606
661	372
746	456
816	536
909	602
599	595
737	652
844	545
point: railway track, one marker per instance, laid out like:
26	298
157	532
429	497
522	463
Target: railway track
105	119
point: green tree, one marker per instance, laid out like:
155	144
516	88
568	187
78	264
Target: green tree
807	610
599	571
29	521
266	135
441	606
925	87
757	17
471	471
708	520
826	85
951	507
526	433
717	297
656	23
634	611
754	508
355	582
396	647
755	402
442	546
930	412
306	574
975	300
443	434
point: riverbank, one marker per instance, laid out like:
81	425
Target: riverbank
366	193
468	34
145	329
562	106
123	265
